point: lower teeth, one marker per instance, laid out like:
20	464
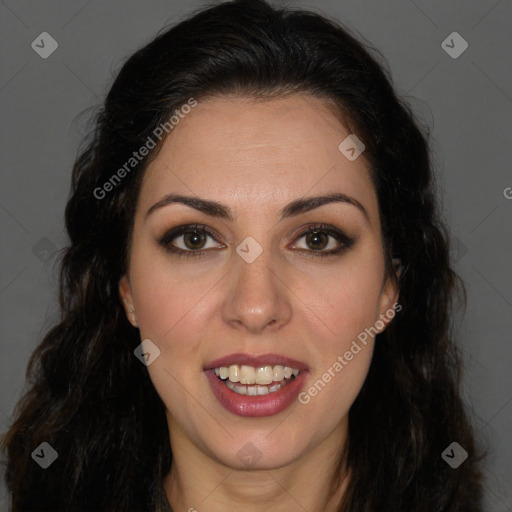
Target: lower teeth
255	390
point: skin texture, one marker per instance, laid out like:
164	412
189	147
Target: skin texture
256	157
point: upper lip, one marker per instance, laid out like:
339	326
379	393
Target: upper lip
256	361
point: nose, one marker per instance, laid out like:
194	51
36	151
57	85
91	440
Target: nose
257	299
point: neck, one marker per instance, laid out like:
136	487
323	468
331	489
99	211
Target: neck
197	481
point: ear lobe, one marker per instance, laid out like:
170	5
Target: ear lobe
125	293
397	266
390	294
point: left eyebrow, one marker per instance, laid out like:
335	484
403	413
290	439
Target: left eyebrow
216	209
307	204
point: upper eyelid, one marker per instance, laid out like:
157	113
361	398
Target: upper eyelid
185	228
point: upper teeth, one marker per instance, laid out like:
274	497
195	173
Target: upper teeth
249	375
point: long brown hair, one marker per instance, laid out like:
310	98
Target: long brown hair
91	399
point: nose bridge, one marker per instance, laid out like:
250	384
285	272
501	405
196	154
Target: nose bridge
257	299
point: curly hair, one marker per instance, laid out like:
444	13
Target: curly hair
88	396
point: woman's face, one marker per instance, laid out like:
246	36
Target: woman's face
248	287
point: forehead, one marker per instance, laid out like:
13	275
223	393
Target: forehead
242	151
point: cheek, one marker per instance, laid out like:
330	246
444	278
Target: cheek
345	306
344	300
172	312
344	357
166	300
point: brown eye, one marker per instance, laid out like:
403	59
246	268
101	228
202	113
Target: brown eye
194	239
190	240
323	240
317	240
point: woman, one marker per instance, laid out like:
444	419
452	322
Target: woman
257	291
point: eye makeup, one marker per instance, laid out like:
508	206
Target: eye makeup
201	233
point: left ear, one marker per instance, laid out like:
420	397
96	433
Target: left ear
389	295
125	293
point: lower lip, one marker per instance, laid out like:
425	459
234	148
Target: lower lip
256	406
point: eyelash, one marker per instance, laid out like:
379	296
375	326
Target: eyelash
345	241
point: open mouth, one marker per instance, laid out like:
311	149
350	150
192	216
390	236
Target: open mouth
256	381
250	396
256	385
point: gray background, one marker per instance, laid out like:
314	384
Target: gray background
467	103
